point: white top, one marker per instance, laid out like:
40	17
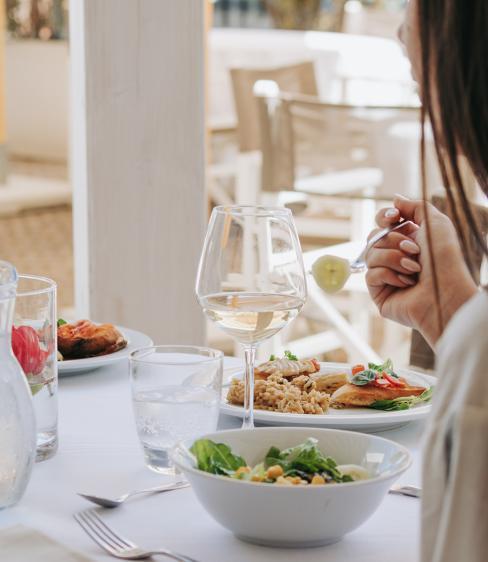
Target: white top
99	453
455	472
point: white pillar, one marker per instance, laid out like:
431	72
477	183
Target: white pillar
137	149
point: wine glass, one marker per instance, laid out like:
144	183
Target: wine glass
251	280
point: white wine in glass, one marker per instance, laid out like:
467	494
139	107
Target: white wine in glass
251	279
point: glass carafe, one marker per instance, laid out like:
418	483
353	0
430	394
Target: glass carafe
17	421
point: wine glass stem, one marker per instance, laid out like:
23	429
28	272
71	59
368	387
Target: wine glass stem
250	355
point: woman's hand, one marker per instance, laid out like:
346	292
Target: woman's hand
399	273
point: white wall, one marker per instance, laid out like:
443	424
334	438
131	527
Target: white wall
37	100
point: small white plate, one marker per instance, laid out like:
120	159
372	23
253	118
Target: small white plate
357	419
135	340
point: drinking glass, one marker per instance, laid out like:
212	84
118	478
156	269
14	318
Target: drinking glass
176	396
34	343
251	280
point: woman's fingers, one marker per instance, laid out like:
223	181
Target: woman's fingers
385	221
408	209
395	240
387	216
392	259
378	277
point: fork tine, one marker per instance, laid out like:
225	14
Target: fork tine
116	547
87	527
108	530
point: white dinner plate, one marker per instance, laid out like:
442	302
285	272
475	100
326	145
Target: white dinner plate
135	340
358	419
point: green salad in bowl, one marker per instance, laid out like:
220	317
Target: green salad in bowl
302	465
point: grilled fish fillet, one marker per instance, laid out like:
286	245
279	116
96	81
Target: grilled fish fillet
85	339
287	368
353	395
330	382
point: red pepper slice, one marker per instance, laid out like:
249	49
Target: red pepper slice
357	369
381	383
393	380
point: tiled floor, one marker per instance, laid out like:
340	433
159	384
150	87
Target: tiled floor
35	223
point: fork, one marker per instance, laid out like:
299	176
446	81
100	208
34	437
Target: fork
115	544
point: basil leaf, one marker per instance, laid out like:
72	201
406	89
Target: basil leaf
61	322
364	377
289	355
272	358
216	458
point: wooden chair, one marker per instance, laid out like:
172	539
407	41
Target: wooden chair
295	79
245	170
421	354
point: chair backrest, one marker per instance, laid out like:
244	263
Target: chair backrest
301	135
421	354
297	78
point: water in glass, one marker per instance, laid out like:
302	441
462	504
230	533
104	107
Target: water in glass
176	396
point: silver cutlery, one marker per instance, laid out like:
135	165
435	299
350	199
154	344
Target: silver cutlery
115	544
359	264
115	502
412	491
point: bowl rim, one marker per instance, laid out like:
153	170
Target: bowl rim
370	481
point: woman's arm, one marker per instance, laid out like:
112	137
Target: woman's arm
399	274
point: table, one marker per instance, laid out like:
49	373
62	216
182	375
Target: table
99	452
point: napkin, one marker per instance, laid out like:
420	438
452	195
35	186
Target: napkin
20	544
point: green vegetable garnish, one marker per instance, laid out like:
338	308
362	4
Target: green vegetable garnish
364	377
61	322
388	364
216	458
288	354
402	403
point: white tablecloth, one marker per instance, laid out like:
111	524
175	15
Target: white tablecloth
99	452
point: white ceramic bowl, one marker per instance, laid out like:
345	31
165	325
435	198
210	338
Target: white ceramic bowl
296	516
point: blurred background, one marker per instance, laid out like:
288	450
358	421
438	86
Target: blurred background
310	105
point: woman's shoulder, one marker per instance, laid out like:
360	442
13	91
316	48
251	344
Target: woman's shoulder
462	352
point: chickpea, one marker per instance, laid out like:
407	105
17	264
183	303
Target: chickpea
294	480
283	481
257	478
243	470
317	480
274	471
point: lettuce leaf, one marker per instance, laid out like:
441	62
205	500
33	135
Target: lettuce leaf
403	403
216	458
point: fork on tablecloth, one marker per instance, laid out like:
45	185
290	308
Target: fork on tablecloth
115	544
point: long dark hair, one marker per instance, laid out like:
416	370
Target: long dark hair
454	92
